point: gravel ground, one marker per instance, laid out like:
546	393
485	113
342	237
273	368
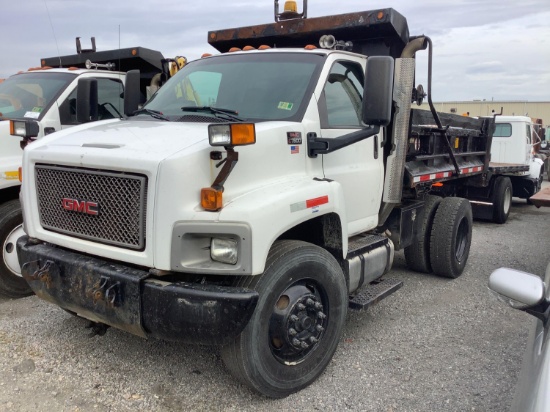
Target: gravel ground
435	345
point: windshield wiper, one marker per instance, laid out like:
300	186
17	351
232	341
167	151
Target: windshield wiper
228	113
153	113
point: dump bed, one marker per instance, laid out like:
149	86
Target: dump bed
461	147
382	32
147	61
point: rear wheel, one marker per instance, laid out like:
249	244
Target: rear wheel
451	237
12	283
297	324
502	199
417	255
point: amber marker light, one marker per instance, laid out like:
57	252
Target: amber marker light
234	49
211	199
310	47
134	52
380	15
264	47
248	48
20	174
439	184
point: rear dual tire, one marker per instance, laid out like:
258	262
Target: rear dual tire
443	245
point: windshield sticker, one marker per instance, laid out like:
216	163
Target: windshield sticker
37	109
32	115
285	106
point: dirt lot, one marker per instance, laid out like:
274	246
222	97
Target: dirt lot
435	345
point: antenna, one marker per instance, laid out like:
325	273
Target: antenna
53	31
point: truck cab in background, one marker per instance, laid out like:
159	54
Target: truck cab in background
513	143
44	100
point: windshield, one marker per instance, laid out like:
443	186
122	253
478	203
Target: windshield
255	86
30	94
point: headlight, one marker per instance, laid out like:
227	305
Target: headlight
234	134
224	250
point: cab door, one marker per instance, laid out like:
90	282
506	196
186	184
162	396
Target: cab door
358	167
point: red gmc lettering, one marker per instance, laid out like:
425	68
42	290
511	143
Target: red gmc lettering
90	208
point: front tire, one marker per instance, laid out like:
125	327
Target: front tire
297	324
502	199
12	283
451	237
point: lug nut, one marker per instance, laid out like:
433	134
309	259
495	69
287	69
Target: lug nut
319	328
321	315
304	345
310	302
292	332
313	339
296	342
318	306
300	306
293	318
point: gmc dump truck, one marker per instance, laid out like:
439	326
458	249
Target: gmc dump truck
45	99
258	195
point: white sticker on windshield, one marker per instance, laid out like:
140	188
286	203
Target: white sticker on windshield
32	115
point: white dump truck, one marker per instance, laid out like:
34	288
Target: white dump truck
259	194
44	100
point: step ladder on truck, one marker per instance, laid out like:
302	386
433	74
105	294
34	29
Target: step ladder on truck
46	99
264	202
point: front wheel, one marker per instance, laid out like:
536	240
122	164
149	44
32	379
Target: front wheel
297	324
12	283
502	199
451	237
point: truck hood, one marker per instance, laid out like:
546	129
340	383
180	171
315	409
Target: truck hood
140	140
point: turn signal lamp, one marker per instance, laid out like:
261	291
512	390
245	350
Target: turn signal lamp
211	199
235	134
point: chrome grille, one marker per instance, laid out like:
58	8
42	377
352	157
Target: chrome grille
120	199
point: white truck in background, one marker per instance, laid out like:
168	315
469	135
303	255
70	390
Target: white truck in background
49	98
519	173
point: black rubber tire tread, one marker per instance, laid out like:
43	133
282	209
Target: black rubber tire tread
451	213
11	285
502	184
244	357
417	255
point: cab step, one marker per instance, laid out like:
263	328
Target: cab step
374	292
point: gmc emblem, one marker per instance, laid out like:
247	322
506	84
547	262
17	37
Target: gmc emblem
82	206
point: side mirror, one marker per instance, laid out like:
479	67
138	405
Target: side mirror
131	92
524	289
86	101
378	92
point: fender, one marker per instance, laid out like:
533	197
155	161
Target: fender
288	203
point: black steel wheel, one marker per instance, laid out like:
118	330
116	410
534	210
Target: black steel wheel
502	199
451	237
12	283
297	324
417	255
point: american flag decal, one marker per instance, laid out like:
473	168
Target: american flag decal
294	149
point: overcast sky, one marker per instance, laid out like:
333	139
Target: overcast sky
483	49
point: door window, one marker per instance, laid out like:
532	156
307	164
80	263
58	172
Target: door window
343	95
110	99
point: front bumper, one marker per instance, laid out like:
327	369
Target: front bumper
130	299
